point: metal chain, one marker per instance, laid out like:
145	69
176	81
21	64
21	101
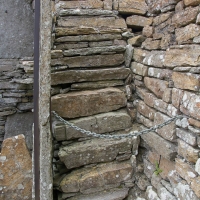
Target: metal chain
131	134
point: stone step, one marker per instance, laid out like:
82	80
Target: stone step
87	12
97	22
81	31
93	179
94	50
101	123
87	103
90	61
90	4
113	194
71	76
96	151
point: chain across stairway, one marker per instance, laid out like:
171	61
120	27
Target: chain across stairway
108	136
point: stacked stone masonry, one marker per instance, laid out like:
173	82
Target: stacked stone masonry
116	63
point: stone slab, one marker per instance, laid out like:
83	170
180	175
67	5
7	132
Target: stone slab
132	7
116	194
94	179
183	56
89	61
16	169
71	76
101	123
64	31
94	151
110	22
85	103
16	29
20	124
160	145
94	50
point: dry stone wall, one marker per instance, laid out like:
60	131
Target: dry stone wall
115	63
16	102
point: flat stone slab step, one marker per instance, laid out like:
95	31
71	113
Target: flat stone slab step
93	179
89	61
101	123
114	194
86	103
71	76
96	151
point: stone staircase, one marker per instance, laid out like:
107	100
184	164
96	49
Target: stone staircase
91	88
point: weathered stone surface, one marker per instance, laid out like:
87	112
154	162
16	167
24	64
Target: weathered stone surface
160	73
156	86
145	110
191	105
188	152
160	145
149	99
169	131
90	61
185	170
154	58
96	85
160	105
90	38
185	17
94	4
177	96
164	194
147	31
136	41
16	169
103	176
161	6
151	194
165	165
17	20
94	151
191	2
145	121
82	12
194	122
163	29
161	18
107	4
139	54
71	76
128	55
66	31
181	189
110	22
151	44
197	166
183	56
136	21
195	185
101	44
139	69
132	7
187	136
187	33
85	103
186	81
94	50
20	124
142	181
101	123
116	194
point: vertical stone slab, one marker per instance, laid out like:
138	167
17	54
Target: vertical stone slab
15	169
46	186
